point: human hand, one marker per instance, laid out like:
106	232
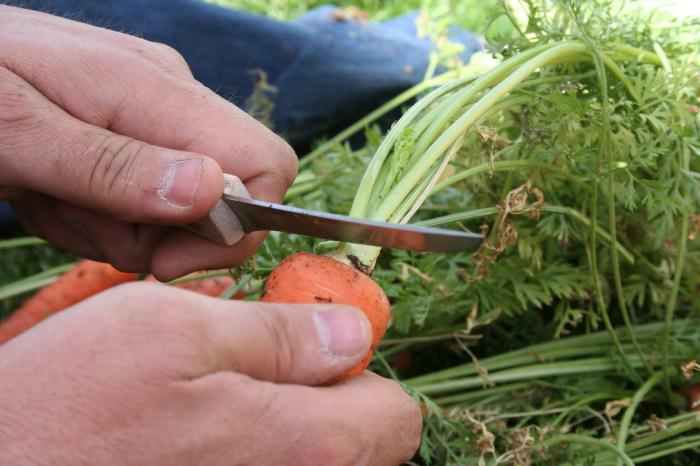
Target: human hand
104	135
145	375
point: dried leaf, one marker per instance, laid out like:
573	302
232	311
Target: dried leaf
689	368
613	408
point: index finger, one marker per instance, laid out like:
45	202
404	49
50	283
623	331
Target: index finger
145	91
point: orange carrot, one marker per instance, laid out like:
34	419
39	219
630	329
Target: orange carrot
87	278
309	278
691	394
210	286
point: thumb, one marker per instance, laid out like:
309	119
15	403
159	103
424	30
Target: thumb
45	149
287	343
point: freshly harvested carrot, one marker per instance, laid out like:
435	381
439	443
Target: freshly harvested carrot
691	394
310	278
86	279
209	286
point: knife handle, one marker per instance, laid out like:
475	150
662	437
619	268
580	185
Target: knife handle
221	225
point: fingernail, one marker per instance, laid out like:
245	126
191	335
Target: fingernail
342	331
180	182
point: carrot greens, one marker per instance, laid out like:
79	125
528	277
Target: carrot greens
573	143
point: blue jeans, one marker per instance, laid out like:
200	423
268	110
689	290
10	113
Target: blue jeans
327	71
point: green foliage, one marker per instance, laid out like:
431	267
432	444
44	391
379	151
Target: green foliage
528	353
609	135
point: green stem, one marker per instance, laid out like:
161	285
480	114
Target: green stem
20	242
461	98
638	53
612	66
598	290
554	369
606	151
394	103
588	344
33	282
670	421
591	442
683	444
235	287
371	174
415	173
644	444
459	127
461	398
629	412
199	276
677	275
505	165
487	211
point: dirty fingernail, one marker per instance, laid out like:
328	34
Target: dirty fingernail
180	182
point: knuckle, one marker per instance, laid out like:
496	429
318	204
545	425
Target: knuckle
407	420
113	164
19	112
276	330
167	58
287	162
334	446
160	310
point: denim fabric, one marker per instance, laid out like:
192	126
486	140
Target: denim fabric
327	70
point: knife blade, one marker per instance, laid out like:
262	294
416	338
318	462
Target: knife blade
237	213
258	215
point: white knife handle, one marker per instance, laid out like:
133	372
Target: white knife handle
221	225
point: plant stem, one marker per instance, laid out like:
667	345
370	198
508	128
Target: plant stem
504	165
629	412
591	442
20	242
33	282
200	276
638	53
456	129
378	113
589	344
649	441
581	366
677	275
685	444
606	151
487	211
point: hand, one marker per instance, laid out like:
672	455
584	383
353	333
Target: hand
149	375
104	135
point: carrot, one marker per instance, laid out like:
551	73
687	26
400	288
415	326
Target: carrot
310	278
86	279
210	286
691	394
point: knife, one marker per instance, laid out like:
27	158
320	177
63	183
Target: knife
237	214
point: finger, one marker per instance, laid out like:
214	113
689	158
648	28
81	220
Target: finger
145	91
90	234
306	344
181	253
47	150
365	420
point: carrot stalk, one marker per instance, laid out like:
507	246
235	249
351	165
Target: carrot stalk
209	286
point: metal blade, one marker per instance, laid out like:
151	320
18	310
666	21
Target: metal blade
258	215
